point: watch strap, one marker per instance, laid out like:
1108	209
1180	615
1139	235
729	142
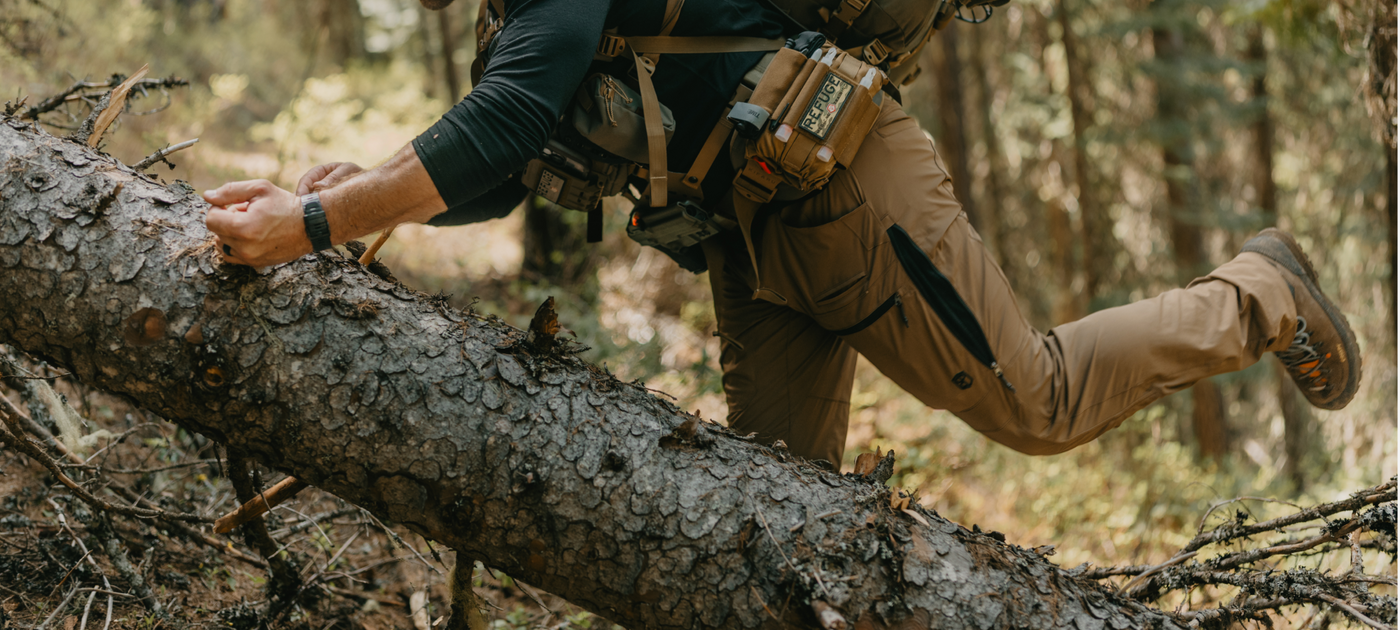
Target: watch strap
314	217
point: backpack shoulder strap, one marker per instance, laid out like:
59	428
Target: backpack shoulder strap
672	15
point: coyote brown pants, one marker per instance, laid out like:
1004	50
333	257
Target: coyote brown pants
844	276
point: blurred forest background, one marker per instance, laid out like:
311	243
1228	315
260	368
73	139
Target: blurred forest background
1107	151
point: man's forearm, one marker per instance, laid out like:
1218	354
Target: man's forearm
397	191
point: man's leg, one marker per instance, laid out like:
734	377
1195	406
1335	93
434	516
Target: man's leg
1085	377
838	258
785	377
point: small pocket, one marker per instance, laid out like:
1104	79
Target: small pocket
608	113
824	269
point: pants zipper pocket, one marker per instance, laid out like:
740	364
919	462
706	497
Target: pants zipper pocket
943	298
875	315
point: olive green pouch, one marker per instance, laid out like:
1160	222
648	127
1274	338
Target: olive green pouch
609	114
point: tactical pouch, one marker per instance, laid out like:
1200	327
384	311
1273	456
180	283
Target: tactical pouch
568	178
820	112
609	114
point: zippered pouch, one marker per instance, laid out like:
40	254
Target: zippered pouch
608	113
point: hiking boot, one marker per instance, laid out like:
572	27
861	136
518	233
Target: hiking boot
1323	359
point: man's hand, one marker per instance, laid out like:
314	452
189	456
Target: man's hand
260	225
256	224
324	176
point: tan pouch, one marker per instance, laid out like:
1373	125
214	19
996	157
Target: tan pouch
820	118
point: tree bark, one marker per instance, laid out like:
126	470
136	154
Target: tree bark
442	420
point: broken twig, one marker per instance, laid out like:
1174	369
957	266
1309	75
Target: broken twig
159	156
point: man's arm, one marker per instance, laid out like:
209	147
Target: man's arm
259	224
540	58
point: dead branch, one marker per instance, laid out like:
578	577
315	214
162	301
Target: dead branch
81	89
285	583
1268	588
14	438
258	504
160	155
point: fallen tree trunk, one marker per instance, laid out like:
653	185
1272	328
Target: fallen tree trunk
451	424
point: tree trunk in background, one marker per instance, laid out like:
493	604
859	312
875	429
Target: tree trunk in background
1096	227
425	34
952	142
449	46
554	251
1392	191
1065	305
1296	418
445	421
345	29
1185	217
993	228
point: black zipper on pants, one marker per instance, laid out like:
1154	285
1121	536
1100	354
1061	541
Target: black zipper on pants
943	298
884	307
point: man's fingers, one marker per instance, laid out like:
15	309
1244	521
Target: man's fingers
227	224
316	175
236	192
228	253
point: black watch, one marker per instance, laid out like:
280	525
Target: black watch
314	217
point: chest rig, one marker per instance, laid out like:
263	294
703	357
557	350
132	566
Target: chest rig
798	114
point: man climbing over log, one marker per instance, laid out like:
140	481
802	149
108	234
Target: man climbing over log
875	258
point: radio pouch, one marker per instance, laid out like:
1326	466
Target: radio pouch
570	179
608	113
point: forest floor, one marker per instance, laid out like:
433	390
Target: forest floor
356	574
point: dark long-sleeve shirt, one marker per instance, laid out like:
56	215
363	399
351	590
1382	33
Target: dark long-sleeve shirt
541	55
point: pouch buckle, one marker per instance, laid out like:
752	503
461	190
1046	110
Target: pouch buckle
875	53
611	45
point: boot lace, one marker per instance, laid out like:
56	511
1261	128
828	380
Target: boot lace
1303	361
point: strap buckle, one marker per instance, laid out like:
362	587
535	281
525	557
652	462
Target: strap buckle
611	45
756	183
876	52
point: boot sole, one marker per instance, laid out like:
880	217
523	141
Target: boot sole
1292	258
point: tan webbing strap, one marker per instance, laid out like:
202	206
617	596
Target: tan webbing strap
656	134
643	50
500	7
753	187
704	44
673	15
713	145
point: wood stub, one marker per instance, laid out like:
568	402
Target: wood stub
285	489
